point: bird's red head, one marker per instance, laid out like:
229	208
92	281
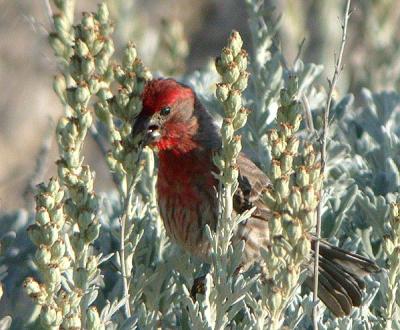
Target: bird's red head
167	119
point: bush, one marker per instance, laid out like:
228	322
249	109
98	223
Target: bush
104	261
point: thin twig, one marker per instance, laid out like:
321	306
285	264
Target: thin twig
299	51
307	113
124	273
332	84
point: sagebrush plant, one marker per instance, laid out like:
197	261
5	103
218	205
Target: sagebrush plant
103	261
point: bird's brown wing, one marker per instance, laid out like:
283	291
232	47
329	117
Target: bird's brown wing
252	183
340	272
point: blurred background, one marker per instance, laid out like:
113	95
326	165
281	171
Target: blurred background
174	37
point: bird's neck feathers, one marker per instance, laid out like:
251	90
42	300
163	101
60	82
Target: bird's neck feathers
186	152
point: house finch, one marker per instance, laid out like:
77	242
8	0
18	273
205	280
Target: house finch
175	123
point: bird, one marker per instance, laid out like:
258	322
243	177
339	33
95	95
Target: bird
185	137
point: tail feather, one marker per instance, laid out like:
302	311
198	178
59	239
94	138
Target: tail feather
341	278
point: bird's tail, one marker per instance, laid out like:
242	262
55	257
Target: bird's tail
341	278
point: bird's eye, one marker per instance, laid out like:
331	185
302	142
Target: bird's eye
165	111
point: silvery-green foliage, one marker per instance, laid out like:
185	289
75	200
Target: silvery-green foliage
362	180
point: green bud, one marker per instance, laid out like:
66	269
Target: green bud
43	256
297	122
233	103
81	278
286	162
241	83
64	263
105	94
394	259
35	234
236	146
42	216
58	249
81	48
103	14
310	159
295	199
241	60
275	172
52	276
49	234
293	145
97	46
309	219
388	246
272	136
60	87
227	131
77	243
302	177
277	147
231	174
63	302
92	232
282	188
82	94
275	225
122	98
222	92
315	173
302	249
85	219
269	199
218	66
287	130
88	67
72	322
226	56
61	24
290	279
48	316
309	198
231	73
394	210
240	119
88	21
57	45
130	55
45	200
275	300
294	231
32	287
235	43
75	297
93	319
278	249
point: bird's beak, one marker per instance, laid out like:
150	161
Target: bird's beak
145	131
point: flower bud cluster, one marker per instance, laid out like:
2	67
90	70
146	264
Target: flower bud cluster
118	112
124	106
85	51
62	39
87	72
391	247
231	65
293	196
50	257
